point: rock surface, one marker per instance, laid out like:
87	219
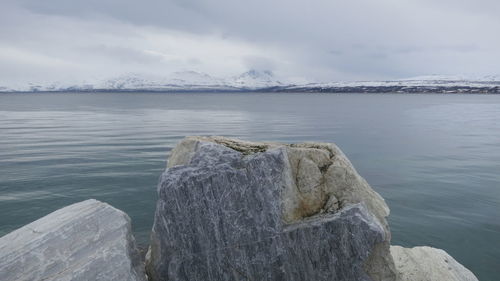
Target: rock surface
89	240
428	264
231	210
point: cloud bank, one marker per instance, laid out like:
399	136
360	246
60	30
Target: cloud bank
54	40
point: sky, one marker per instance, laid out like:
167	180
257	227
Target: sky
315	40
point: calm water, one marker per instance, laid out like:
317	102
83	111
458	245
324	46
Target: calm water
434	158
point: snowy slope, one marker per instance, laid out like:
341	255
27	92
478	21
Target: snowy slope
262	80
254	79
187	80
178	80
486	78
421	81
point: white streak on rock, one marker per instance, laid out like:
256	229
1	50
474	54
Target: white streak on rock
89	240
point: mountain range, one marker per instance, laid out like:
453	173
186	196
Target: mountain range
265	81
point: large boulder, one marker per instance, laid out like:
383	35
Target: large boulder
428	264
231	210
89	240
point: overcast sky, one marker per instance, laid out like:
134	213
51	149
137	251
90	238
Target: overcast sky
324	40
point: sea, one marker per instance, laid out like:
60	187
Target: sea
435	158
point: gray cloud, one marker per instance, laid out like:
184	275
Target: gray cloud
321	39
119	54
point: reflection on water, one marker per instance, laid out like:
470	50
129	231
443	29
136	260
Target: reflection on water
434	158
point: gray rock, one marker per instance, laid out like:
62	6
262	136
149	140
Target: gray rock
89	240
428	264
231	210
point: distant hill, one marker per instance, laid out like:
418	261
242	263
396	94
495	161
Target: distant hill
265	81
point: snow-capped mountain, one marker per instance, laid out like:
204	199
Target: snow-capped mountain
177	81
422	84
194	78
254	80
